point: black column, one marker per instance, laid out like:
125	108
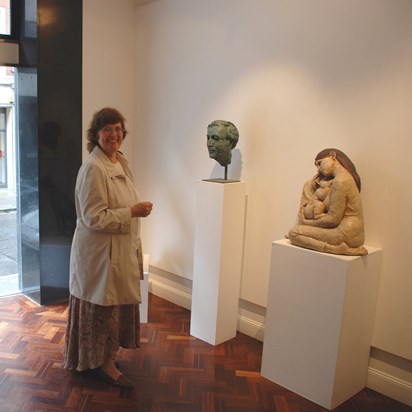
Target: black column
57	67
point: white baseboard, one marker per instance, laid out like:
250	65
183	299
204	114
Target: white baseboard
248	326
377	380
390	385
171	294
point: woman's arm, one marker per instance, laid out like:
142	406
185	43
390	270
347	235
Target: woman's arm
92	193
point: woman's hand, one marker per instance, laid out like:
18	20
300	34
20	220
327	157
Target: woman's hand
141	209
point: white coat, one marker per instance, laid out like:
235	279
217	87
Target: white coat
106	258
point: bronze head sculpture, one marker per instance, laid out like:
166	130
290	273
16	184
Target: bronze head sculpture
222	137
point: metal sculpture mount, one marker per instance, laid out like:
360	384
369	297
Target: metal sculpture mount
222	138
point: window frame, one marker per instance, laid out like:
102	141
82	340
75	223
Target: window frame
14	23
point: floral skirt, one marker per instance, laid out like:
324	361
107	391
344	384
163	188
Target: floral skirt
95	333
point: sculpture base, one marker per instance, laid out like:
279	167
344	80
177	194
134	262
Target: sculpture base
319	322
221	180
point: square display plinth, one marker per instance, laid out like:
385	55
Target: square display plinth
217	260
319	322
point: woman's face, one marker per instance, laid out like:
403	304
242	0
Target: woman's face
111	138
325	166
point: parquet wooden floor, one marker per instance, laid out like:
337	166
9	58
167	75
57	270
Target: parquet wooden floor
172	370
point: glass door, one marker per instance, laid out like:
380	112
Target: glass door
3	148
9	262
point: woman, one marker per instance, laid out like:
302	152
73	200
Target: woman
106	255
340	229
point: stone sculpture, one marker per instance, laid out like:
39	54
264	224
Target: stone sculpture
222	138
331	216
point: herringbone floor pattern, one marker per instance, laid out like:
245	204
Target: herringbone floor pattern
172	370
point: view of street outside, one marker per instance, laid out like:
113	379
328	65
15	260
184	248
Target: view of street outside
9	263
9	268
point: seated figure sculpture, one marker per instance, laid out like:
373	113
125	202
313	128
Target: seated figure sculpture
336	227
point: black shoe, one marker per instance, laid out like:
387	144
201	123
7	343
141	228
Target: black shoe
121	381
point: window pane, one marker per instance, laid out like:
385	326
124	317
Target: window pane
5	17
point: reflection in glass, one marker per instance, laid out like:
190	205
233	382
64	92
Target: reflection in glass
3	164
5	17
28	182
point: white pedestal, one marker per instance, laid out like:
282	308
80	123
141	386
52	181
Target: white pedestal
144	291
217	260
319	322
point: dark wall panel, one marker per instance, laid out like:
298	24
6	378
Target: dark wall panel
59	65
51	44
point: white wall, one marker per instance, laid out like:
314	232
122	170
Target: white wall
109	62
295	77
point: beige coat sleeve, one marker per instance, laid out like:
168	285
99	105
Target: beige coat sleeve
94	205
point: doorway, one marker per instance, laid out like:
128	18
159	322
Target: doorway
9	262
19	204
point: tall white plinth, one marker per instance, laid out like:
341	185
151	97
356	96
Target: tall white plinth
217	262
319	322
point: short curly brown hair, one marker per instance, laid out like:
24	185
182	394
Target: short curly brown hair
103	117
